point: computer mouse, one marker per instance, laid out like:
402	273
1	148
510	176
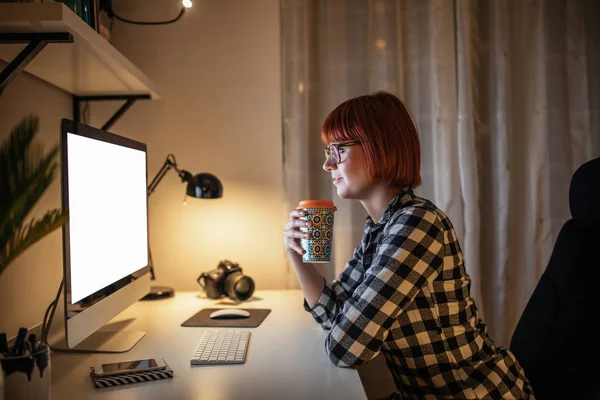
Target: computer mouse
229	313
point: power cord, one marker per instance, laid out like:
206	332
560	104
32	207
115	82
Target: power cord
47	322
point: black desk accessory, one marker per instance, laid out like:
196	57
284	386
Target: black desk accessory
200	186
3	344
202	319
19	346
227	279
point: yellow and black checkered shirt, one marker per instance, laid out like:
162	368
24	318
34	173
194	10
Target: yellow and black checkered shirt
406	293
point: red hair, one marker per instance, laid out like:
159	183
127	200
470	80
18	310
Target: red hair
389	138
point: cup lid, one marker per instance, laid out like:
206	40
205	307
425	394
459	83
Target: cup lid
316	204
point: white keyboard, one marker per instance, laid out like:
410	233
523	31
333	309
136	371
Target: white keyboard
221	346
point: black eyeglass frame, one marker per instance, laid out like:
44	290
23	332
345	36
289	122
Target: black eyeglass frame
332	155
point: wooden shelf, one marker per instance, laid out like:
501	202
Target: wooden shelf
90	66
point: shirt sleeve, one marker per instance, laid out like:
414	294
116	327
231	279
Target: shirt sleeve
336	293
410	255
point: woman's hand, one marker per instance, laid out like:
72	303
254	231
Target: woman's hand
310	280
292	233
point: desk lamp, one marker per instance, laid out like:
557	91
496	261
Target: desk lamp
200	186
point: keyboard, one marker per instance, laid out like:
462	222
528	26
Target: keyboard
221	346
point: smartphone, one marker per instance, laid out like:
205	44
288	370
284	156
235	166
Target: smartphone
125	367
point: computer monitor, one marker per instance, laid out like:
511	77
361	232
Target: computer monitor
105	242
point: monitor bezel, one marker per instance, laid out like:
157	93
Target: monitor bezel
76	128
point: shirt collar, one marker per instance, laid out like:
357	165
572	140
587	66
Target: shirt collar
404	196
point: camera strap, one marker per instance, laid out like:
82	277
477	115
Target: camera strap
200	281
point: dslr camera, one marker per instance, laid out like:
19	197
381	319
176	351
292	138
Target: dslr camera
227	279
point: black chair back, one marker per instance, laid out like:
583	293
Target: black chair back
556	341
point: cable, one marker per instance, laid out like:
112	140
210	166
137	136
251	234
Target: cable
85	112
52	306
113	14
110	29
47	322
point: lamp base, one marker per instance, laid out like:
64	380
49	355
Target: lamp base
159	292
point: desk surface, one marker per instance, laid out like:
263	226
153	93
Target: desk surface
285	360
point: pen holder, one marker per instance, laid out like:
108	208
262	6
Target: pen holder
28	376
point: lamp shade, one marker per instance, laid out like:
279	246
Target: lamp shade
204	186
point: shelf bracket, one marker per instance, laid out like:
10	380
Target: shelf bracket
35	43
129	100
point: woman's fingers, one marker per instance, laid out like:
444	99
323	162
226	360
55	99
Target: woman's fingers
292	244
296	234
297	213
291	233
302	223
294	222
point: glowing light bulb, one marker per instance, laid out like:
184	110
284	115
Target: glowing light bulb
187	3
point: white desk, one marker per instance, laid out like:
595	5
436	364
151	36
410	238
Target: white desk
286	357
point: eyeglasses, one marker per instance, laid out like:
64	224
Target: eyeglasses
335	151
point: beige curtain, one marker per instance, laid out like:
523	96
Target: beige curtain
506	95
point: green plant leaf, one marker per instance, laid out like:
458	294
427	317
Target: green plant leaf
26	235
26	172
13	153
25	194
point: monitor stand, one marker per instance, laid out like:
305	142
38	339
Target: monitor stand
110	341
159	292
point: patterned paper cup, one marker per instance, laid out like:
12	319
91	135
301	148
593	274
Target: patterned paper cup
320	235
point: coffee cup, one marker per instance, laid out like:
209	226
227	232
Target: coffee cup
318	246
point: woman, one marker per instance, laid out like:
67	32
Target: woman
405	292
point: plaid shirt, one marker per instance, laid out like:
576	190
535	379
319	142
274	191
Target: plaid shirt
406	293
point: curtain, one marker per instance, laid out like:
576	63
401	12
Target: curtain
506	98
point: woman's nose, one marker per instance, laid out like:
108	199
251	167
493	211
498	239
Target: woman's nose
329	165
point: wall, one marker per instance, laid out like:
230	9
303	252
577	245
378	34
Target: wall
218	72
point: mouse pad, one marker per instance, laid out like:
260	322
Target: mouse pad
202	318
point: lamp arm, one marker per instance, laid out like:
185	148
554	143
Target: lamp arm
158	177
169	163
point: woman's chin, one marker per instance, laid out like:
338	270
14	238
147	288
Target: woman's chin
342	193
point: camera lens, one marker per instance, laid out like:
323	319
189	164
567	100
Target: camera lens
238	286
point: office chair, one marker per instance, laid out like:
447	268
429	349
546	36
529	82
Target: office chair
555	341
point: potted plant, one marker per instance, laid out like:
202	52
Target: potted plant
26	171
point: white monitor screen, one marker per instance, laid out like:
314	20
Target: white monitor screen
107	201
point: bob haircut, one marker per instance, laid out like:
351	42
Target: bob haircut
389	138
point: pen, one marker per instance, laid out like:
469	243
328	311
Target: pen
18	347
32	340
3	344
